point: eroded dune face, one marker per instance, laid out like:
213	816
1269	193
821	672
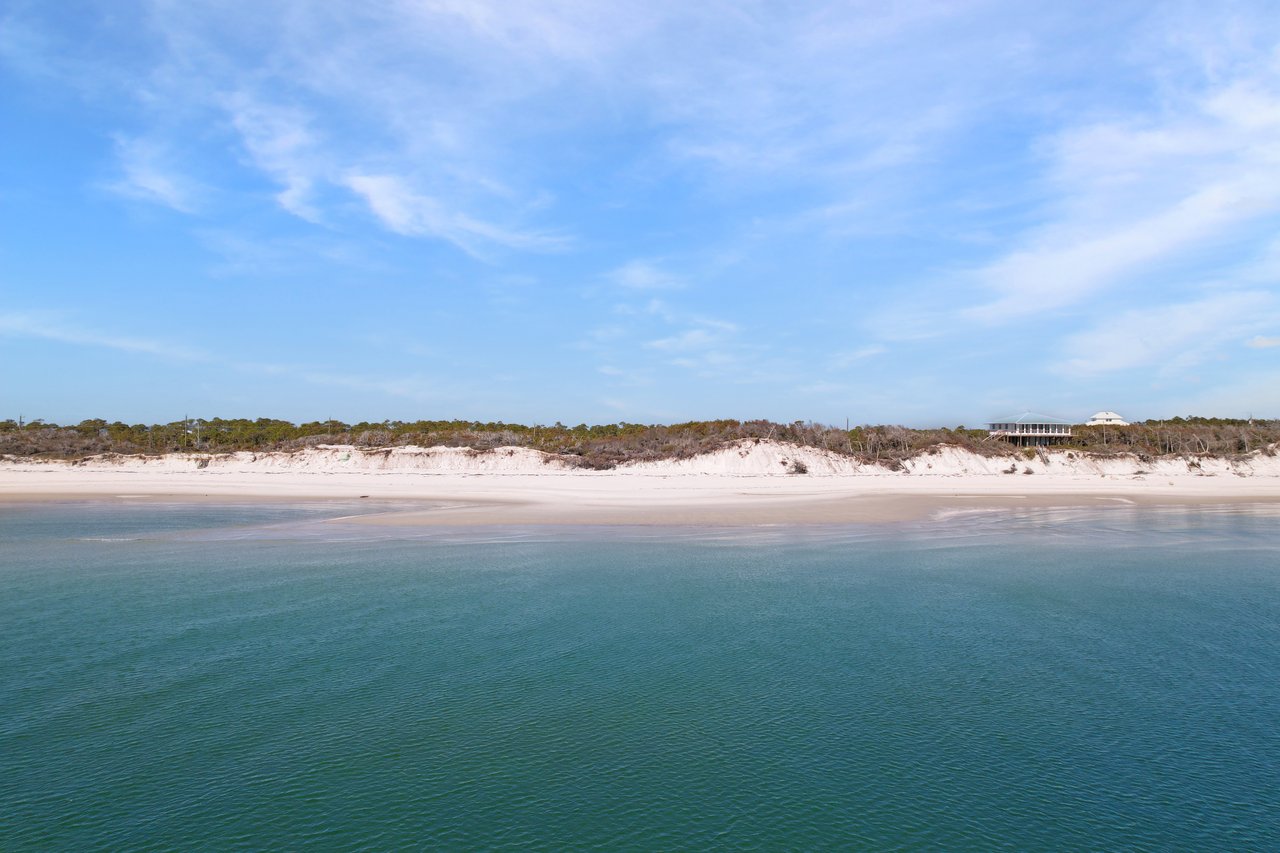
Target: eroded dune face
750	457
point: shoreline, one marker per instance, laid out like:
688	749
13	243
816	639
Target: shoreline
620	498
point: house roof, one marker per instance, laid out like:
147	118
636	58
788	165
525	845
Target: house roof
1031	418
1110	416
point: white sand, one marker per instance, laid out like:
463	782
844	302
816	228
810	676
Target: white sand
745	483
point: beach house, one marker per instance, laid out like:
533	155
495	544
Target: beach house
1030	429
1106	419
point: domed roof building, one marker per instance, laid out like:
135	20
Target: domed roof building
1106	419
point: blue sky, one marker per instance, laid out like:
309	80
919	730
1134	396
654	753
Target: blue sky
922	213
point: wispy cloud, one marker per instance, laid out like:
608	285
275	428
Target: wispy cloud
644	275
405	211
801	185
1263	342
1169	337
243	254
1134	195
149	174
706	346
48	326
843	360
281	143
769	96
690	339
627	377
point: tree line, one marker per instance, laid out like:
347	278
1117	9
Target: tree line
604	446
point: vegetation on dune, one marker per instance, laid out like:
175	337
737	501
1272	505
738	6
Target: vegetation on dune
607	445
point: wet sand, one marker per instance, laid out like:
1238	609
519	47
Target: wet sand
619	499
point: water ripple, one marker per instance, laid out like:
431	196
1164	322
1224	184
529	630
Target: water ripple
1042	681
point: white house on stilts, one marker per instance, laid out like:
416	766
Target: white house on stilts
1031	430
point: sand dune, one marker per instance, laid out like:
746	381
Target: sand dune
747	482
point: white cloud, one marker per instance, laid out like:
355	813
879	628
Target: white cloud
405	211
1060	272
50	327
47	326
255	255
1087	148
566	31
632	377
690	339
1263	342
1169	337
150	175
706	346
1133	195
644	275
281	144
845	359
821	96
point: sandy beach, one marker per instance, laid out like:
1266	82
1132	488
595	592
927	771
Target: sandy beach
740	484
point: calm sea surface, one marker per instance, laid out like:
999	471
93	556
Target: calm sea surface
179	677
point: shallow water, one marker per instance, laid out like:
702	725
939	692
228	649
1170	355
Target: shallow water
175	676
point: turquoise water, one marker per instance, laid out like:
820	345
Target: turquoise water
212	677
